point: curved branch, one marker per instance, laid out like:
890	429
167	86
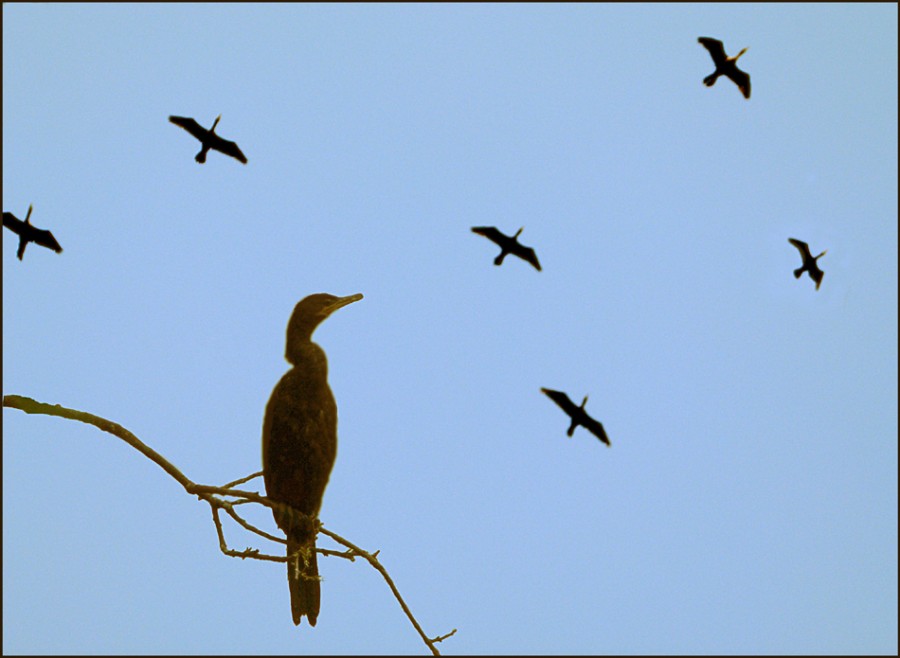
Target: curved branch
373	560
30	406
209	495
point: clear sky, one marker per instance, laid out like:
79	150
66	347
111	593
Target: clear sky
748	503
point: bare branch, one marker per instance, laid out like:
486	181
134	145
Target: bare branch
210	495
377	565
30	406
242	480
249	552
229	509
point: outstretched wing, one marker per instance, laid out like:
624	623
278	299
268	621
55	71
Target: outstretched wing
562	400
191	126
802	246
46	239
595	427
490	232
741	79
716	49
228	148
13	223
816	275
527	254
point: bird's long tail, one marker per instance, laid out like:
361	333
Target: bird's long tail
303	581
201	156
499	259
798	272
710	80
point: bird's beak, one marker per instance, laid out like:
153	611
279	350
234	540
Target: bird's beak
341	302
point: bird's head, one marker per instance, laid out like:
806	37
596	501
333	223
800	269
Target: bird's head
215	123
822	254
741	53
309	313
584	402
28	216
518	232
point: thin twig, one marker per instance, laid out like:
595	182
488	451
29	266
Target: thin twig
242	480
377	565
229	509
210	495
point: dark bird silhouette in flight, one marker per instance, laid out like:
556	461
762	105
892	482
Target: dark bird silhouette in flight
578	415
809	263
725	65
209	139
299	445
508	245
28	233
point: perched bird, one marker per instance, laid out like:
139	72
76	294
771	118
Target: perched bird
508	245
809	263
577	414
28	233
209	139
299	445
725	65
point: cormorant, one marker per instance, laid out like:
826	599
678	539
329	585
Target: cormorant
809	263
577	414
209	139
299	445
28	233
508	245
725	65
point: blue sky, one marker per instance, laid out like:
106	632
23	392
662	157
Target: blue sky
748	503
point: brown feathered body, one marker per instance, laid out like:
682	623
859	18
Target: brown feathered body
299	442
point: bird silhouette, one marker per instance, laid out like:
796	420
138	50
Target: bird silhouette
299	445
725	65
578	415
209	139
809	263
28	233
508	245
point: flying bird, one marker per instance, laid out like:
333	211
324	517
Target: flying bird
578	415
508	245
725	65
28	233
809	263
299	445
209	139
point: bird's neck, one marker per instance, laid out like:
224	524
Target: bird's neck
307	356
